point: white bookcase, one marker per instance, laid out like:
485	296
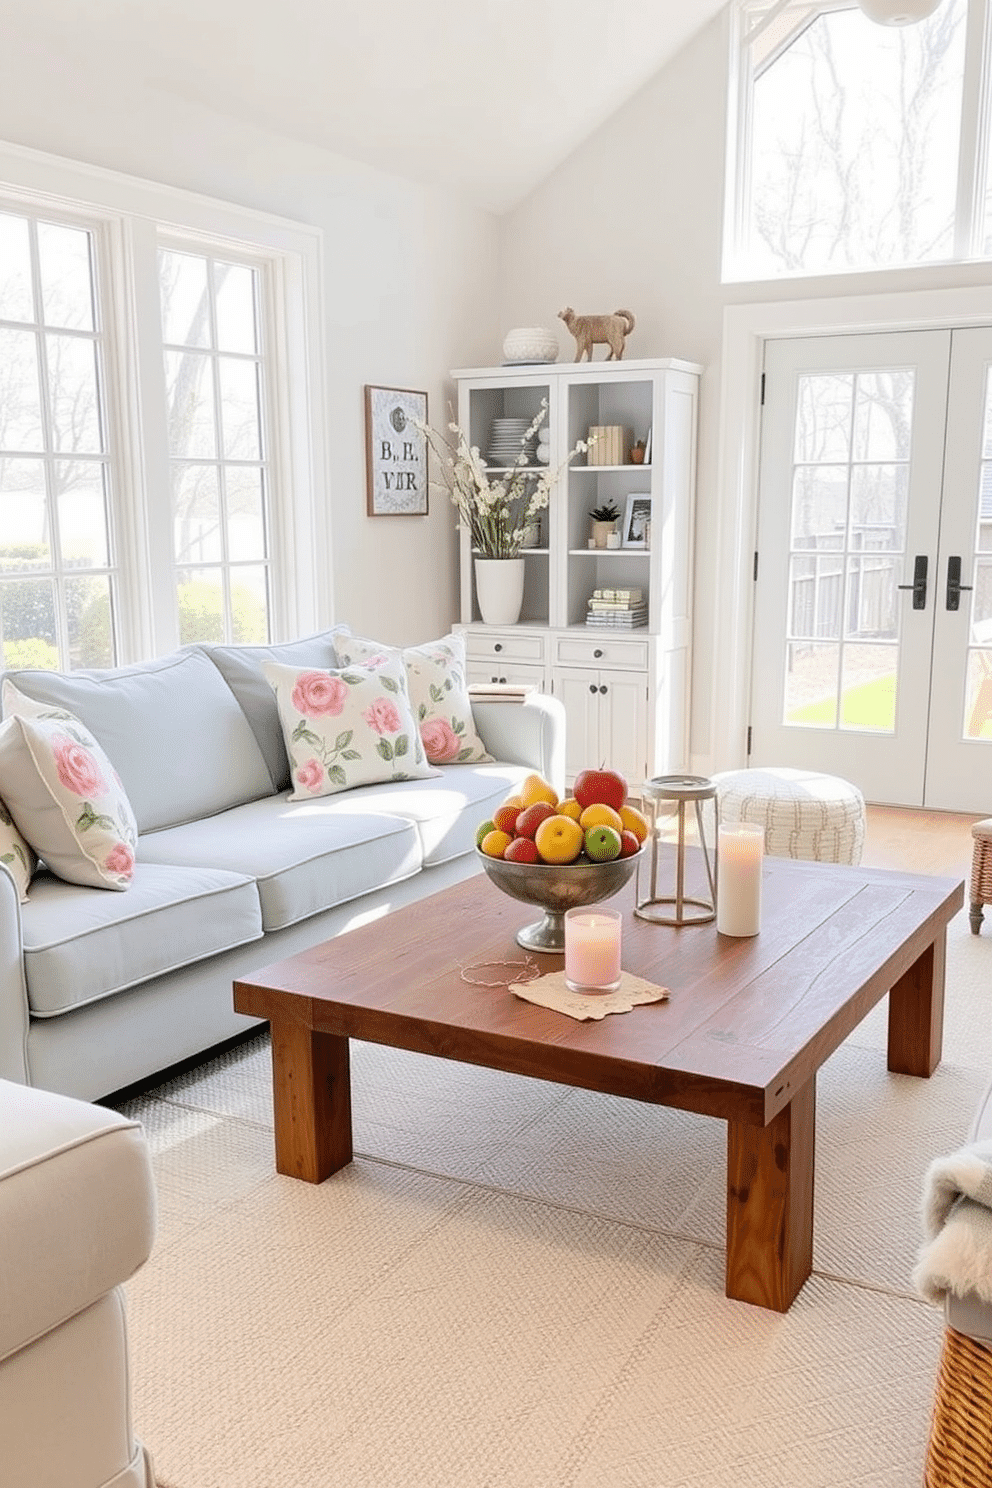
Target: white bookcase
625	691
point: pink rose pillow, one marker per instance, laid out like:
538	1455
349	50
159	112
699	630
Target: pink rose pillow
435	676
15	854
347	727
65	796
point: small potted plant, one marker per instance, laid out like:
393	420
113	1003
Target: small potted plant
604	519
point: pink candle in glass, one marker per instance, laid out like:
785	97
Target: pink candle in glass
592	949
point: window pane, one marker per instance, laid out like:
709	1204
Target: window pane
823	417
816	597
66	278
185	301
811	686
82	509
200	598
819	506
879	502
75	403
235	290
196	514
16	294
20	397
872	598
239	408
245	513
978	699
190	388
88	616
249	606
27	623
883	414
868	689
23	513
854	145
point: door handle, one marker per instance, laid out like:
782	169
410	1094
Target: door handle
955	588
919	584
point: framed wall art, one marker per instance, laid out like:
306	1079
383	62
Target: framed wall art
637	522
395	453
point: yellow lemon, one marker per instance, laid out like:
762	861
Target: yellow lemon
635	821
495	843
599	815
570	807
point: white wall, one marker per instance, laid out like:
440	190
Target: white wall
634	219
408	291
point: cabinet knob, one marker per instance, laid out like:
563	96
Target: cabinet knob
494	679
593	687
498	646
502	679
603	687
597	654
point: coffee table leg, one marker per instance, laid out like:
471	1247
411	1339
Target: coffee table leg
311	1089
770	1204
916	1014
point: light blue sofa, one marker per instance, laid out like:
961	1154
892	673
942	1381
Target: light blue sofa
101	989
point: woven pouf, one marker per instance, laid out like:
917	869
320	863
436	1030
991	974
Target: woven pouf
981	872
804	814
959	1452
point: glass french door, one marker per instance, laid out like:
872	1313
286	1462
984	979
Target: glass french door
872	651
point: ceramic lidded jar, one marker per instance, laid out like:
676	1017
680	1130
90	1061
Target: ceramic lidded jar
530	344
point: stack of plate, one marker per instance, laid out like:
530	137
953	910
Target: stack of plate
506	441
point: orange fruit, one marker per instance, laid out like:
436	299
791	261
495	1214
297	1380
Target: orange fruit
559	839
570	807
495	843
635	821
599	815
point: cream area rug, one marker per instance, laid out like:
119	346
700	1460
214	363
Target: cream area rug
517	1285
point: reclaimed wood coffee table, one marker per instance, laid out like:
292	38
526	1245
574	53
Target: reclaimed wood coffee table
748	1025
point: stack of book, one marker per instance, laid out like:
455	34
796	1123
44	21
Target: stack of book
620	609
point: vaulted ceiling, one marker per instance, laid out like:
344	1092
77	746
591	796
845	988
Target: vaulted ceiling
484	97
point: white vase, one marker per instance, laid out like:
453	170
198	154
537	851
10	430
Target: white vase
530	344
499	588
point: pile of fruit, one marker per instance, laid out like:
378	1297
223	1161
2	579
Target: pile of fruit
594	824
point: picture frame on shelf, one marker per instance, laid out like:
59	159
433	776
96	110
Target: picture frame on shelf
395	453
637	521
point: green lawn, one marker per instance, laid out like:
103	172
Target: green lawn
872	705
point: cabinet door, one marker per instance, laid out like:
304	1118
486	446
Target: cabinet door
579	692
623	724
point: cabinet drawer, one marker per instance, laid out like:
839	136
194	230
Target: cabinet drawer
600	651
504	647
521	673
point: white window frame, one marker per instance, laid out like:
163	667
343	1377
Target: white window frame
973	151
130	219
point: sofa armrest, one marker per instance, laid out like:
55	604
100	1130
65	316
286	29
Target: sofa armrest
13	993
529	733
77	1208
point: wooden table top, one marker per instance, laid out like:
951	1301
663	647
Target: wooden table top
748	1023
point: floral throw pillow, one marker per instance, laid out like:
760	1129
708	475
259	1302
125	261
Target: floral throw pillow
16	855
438	692
346	727
65	796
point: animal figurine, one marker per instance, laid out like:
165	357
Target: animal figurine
589	330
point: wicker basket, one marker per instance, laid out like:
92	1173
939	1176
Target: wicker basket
959	1454
980	891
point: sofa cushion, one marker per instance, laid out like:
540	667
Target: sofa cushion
153	720
241	668
65	796
347	727
77	1209
306	856
438	694
16	854
80	946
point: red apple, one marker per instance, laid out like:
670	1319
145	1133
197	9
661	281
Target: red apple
600	787
521	850
629	844
531	818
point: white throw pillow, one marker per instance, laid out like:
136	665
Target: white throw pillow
438	693
17	856
65	796
346	727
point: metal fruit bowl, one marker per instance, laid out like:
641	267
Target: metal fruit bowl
556	887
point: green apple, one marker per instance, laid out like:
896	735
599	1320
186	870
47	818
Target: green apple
487	826
603	844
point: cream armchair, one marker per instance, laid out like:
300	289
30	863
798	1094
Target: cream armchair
77	1218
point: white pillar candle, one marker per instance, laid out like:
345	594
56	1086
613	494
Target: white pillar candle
740	850
592	949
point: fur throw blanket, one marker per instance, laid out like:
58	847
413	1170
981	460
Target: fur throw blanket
957	1223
